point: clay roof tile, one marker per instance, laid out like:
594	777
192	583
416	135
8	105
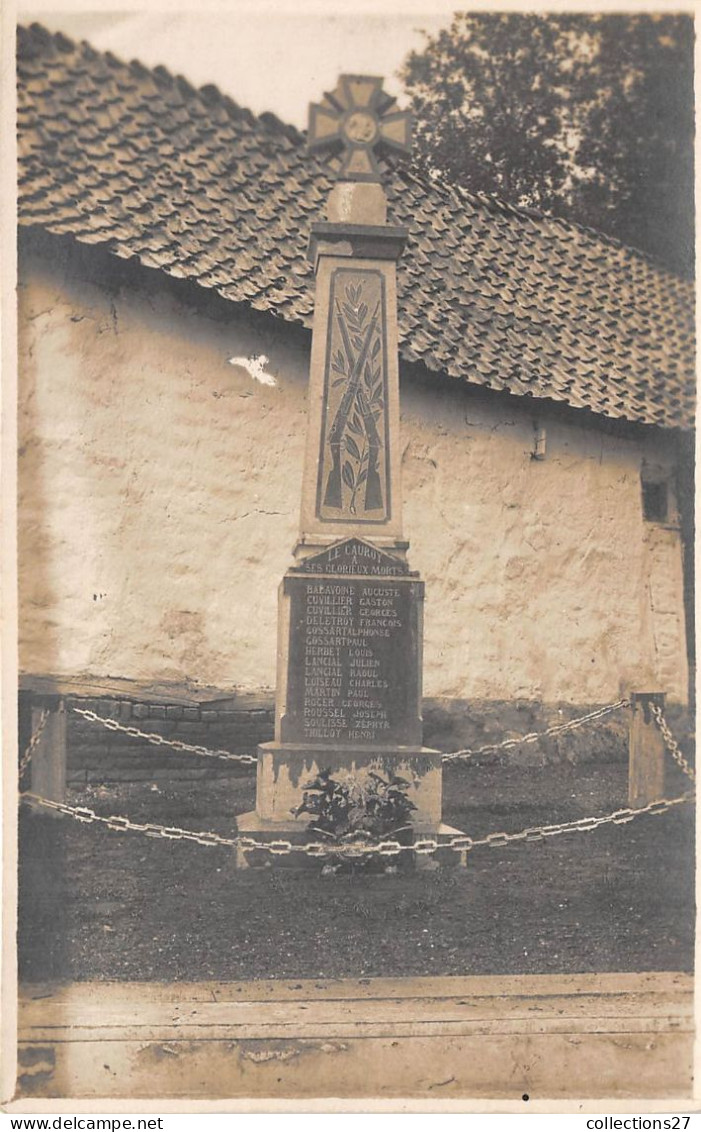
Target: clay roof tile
198	187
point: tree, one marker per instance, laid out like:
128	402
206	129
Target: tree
588	117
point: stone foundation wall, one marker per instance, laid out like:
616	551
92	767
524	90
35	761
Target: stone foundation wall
451	725
97	755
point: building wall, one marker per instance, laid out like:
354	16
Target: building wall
159	497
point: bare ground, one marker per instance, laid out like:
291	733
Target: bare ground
95	904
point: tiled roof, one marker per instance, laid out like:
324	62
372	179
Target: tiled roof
191	184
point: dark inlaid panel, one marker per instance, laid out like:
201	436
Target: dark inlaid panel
354	660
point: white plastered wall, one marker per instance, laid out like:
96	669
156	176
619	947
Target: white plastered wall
159	500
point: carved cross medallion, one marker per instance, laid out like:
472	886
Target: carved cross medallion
357	120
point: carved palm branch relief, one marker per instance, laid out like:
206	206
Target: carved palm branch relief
354	474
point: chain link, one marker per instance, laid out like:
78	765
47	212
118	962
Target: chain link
426	846
584	825
33	742
459	843
161	741
533	736
671	743
123	825
389	848
251	760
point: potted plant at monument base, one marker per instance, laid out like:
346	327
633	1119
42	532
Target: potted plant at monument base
351	811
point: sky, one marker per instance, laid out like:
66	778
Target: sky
275	57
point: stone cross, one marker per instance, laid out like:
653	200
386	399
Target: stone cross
350	611
356	118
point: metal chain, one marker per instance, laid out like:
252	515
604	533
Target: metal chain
389	848
459	843
585	825
452	756
33	742
671	743
121	824
161	741
533	736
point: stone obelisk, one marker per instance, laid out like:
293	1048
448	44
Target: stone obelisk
348	694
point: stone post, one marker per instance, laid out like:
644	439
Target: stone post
48	765
646	751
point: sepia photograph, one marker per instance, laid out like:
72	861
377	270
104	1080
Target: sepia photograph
349	665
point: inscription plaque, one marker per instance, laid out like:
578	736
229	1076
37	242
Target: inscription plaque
355	556
353	673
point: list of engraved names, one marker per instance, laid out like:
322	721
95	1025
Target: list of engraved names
351	633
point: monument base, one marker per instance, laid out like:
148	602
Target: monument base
286	769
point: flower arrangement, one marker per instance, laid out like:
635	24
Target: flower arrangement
353	809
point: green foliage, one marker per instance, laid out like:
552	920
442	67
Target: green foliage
589	117
371	807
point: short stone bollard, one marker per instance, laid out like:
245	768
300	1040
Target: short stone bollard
48	763
646	751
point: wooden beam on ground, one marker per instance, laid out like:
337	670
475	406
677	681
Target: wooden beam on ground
646	752
560	1036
